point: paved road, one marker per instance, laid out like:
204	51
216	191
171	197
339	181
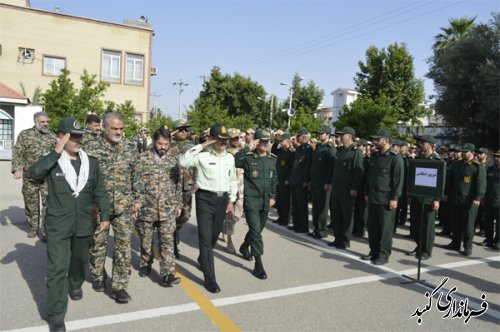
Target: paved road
311	287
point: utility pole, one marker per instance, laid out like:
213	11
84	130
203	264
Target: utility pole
155	109
181	83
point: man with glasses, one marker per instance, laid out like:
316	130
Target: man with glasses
217	186
31	144
117	161
180	144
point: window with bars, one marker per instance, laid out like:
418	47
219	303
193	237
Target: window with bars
6	133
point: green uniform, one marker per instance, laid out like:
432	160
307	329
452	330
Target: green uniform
467	182
284	159
360	211
444	206
31	144
260	186
187	181
300	176
402	209
491	206
427	220
385	183
117	163
322	162
69	228
346	176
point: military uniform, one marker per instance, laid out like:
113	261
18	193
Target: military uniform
300	176
427	219
69	227
31	144
117	163
491	206
347	176
359	223
385	183
466	183
322	162
402	209
187	182
157	180
284	160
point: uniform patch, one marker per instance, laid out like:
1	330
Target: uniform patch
59	174
466	179
255	173
283	162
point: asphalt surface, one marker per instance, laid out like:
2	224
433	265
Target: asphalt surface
310	286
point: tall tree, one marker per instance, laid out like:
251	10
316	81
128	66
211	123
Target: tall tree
458	28
467	80
387	80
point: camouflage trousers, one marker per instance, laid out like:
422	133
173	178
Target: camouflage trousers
187	199
165	231
122	255
32	193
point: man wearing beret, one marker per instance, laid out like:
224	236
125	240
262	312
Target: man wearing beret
300	178
74	184
345	179
217	187
430	206
259	167
180	144
384	186
465	187
492	204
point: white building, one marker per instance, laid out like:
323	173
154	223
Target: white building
341	97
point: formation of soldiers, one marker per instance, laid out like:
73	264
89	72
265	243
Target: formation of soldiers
353	184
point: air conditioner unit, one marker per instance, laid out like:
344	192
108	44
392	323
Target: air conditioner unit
154	71
27	54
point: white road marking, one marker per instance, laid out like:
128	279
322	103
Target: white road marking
172	310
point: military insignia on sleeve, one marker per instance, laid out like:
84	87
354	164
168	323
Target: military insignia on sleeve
466	179
283	162
255	173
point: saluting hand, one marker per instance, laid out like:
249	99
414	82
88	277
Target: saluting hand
208	142
61	142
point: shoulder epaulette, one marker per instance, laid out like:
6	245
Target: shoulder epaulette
393	152
475	161
272	155
249	153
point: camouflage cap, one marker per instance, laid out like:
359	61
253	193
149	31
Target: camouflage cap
219	131
233	132
69	125
262	134
181	123
278	132
250	130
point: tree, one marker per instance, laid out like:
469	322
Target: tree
229	99
35	99
158	121
387	82
458	28
467	79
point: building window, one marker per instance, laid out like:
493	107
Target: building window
110	71
134	72
6	134
52	66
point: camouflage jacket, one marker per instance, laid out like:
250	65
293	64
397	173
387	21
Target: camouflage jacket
31	144
187	175
117	163
158	183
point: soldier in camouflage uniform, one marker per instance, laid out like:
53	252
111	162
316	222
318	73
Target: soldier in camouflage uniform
157	180
181	144
31	144
117	161
235	143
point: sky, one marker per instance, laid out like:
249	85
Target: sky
269	41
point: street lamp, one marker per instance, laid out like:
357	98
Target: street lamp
181	83
270	111
290	112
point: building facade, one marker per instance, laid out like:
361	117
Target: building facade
341	97
36	44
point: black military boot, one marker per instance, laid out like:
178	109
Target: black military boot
245	252
258	271
176	242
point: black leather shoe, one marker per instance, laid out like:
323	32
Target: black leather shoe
98	285
144	271
320	236
120	296
169	280
424	256
260	274
412	253
283	223
466	253
302	230
452	246
75	294
381	261
291	228
341	245
212	287
311	234
245	252
57	326
332	244
367	258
